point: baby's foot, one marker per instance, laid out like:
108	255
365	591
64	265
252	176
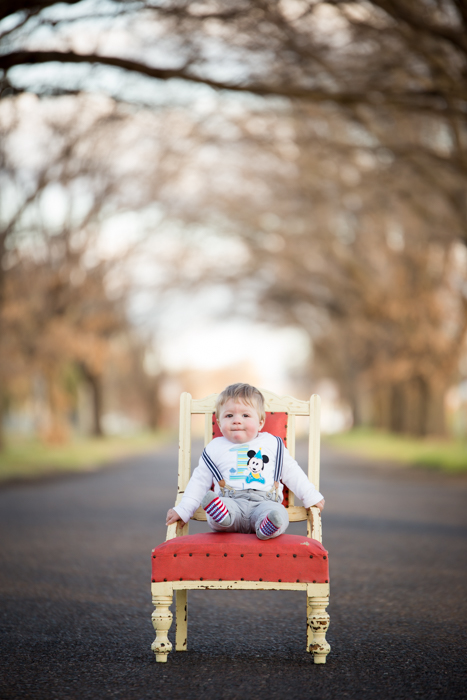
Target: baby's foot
216	508
270	525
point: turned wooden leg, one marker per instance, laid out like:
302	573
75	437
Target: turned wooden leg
318	623
181	620
161	620
309	630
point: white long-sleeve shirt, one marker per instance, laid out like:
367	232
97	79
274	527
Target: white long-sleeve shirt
251	465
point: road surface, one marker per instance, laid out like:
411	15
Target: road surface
75	593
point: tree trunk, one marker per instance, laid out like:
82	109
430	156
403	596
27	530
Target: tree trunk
355	408
417	408
435	411
153	405
57	430
397	408
381	407
2	414
96	389
416	414
95	384
2	302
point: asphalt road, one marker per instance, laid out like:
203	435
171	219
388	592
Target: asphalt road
75	593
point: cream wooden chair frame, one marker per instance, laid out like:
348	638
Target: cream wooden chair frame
317	593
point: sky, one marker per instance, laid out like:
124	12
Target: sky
271	352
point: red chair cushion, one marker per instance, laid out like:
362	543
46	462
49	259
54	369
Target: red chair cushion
222	556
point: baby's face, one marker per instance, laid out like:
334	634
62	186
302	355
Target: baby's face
239	422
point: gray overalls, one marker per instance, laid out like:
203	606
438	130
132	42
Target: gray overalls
248	508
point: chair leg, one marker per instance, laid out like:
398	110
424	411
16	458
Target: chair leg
162	620
181	620
309	629
318	623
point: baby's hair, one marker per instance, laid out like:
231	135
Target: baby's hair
242	392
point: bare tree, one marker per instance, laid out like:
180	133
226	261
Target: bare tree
345	52
62	297
349	222
339	236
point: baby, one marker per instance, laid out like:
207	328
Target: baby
247	467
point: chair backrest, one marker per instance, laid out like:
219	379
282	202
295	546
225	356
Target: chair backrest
280	421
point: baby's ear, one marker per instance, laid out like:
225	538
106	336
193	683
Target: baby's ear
251	453
265	459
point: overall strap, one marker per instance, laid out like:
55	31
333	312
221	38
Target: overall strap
212	467
279	460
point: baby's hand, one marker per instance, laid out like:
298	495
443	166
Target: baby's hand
319	505
173	517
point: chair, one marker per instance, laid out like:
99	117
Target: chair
226	561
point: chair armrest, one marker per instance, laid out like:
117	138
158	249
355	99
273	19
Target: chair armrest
174	530
171	532
199	514
313	525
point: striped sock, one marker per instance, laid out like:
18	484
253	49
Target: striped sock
270	525
214	507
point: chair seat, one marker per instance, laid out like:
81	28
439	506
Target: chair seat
237	557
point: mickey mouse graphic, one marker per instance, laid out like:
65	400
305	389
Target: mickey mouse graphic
256	464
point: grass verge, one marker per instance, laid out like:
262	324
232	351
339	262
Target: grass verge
445	455
25	459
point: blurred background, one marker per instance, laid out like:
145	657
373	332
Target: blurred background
198	193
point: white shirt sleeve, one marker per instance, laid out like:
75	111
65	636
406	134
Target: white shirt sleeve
197	488
297	481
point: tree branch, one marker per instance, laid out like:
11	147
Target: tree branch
400	12
422	101
11	7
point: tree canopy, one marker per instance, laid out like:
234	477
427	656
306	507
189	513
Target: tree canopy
342	176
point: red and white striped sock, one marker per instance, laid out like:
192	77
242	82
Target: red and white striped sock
215	507
267	527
